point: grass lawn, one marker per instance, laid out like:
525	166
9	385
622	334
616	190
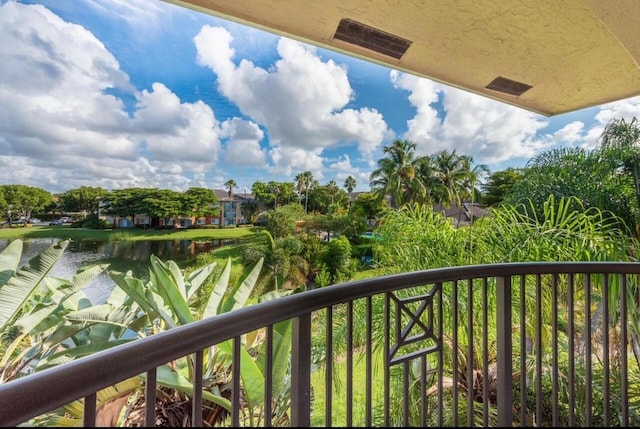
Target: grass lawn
339	392
64	232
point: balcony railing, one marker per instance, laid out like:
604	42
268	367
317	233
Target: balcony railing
526	344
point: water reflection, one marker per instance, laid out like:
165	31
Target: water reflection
120	255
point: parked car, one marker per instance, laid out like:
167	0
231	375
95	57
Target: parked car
55	222
34	220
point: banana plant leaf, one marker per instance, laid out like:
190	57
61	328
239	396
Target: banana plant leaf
165	283
165	376
9	260
136	290
242	290
27	324
197	278
252	377
71	415
214	304
15	292
76	352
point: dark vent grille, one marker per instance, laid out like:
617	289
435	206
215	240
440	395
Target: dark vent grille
371	38
508	86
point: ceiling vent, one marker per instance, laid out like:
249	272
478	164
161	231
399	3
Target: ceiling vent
508	86
371	38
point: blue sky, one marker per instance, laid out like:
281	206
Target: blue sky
143	93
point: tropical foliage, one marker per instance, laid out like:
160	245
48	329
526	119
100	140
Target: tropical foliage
593	180
442	178
48	321
415	238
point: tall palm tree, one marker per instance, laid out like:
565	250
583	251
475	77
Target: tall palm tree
472	175
452	171
396	173
304	182
332	186
276	189
350	185
230	184
455	177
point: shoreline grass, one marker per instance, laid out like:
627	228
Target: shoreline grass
126	234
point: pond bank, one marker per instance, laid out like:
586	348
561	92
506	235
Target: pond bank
128	234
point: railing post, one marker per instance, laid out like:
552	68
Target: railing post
505	351
301	371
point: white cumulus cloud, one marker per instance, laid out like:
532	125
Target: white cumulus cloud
301	100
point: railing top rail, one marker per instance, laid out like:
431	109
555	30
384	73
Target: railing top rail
25	396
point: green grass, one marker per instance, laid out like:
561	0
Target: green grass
64	232
339	391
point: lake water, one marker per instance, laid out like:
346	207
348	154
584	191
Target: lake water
121	255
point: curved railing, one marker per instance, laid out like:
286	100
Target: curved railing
503	344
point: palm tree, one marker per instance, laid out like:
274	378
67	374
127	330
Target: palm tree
305	182
276	190
332	187
230	184
450	173
620	143
396	174
350	185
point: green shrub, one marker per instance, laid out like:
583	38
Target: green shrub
92	222
338	259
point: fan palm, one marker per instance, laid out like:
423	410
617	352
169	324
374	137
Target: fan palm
230	184
304	183
349	185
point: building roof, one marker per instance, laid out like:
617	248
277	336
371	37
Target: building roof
547	56
223	195
462	215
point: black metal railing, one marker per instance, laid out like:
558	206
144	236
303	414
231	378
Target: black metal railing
526	344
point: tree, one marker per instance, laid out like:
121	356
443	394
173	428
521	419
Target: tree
338	260
249	210
349	185
82	199
332	187
368	206
304	182
576	172
396	174
281	222
162	203
126	203
620	145
272	193
21	201
471	177
283	260
262	193
324	199
230	184
456	177
499	185
199	202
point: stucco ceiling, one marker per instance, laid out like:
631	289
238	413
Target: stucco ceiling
565	54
